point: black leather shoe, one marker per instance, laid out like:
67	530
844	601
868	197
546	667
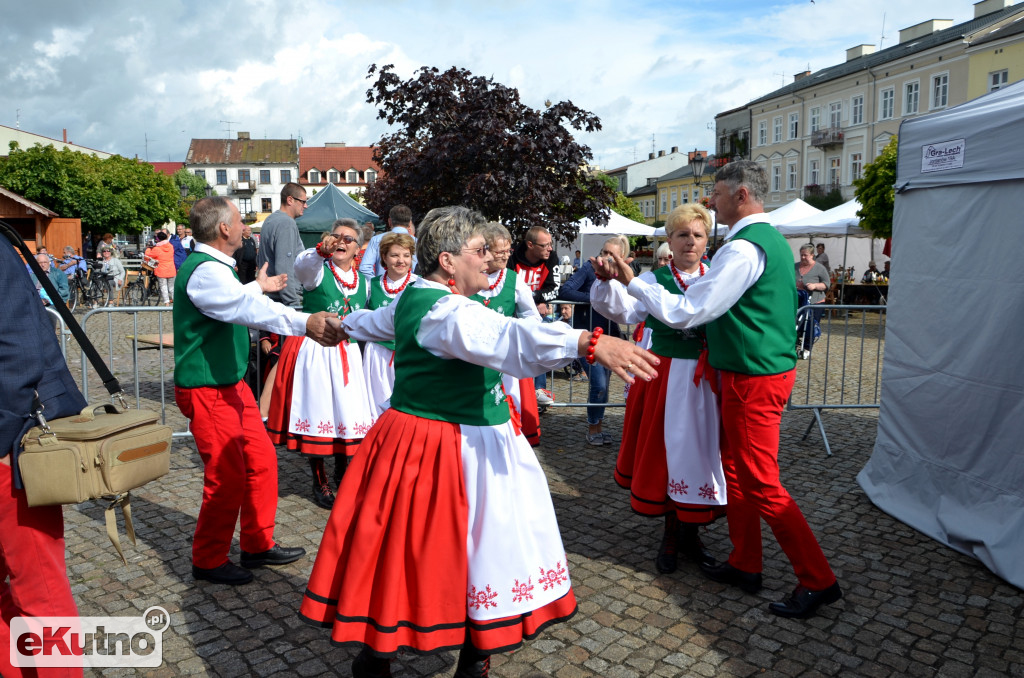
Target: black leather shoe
727	574
691	547
228	573
365	665
667	559
803	601
279	555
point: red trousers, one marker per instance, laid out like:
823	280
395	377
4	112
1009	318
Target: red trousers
32	557
751	414
239	471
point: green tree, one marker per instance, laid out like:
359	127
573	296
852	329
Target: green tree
621	204
876	194
467	140
196	189
115	195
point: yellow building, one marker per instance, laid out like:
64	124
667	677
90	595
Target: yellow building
995	57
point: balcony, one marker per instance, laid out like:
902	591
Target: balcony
826	137
243	186
820	190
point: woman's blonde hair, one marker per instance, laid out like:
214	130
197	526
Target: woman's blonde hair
684	214
392	239
623	243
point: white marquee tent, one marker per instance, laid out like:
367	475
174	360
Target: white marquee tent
593	236
791	211
840	222
948	459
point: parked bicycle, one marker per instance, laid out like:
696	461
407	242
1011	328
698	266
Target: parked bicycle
78	284
144	290
98	292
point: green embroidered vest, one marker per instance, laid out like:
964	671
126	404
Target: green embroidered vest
669	342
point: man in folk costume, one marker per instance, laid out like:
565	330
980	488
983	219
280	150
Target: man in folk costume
211	351
748	303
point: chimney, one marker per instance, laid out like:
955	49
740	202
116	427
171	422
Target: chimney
986	7
65	135
923	29
859	51
650	156
661	154
243	135
675	149
801	76
334	144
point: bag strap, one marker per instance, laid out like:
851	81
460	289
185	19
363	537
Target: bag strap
109	380
124	501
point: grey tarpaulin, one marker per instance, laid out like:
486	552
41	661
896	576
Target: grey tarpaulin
949	455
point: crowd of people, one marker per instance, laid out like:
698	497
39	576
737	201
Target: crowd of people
421	379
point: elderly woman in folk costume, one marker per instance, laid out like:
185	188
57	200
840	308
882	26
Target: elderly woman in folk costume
320	405
444	534
507	294
396	250
669	458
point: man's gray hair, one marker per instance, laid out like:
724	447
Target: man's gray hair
748	174
349	223
445	229
494	231
206	215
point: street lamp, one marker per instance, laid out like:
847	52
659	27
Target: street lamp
183	189
697	161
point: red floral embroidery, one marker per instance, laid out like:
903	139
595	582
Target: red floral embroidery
325	428
552	578
707	492
302	425
677	487
521	592
341	429
362	428
483	598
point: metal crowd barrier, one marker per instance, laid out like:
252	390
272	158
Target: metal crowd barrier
61	328
844	369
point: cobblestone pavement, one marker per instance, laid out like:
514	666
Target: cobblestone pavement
912	607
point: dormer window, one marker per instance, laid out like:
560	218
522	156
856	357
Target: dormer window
352	177
371	176
334	176
314	176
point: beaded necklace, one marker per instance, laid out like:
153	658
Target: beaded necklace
679	278
384	283
344	285
490	288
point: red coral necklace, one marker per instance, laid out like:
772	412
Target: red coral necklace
384	283
679	278
501	276
348	286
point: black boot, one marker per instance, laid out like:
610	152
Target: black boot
472	663
666	560
340	464
690	545
365	665
322	493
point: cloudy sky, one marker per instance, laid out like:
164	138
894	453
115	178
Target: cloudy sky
143	78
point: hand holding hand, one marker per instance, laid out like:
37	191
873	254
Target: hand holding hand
325	329
271	283
622	357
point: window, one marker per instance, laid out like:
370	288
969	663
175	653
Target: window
835	114
201	174
244	204
911	97
353	176
815	119
673	202
371	177
794	125
857	110
684	196
286	176
762	133
776	129
243	175
266	205
314	176
940	90
856	166
997	80
834	171
814	172
334	177
791	176
887	104
664	201
264	176
222	177
776	178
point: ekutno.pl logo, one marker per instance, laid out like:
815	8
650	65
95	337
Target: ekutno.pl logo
89	641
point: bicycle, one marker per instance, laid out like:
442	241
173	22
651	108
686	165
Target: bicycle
77	286
98	292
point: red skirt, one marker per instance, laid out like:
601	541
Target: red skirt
280	412
391	573
529	416
641	466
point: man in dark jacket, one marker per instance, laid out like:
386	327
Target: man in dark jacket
535	260
179	250
33	576
245	257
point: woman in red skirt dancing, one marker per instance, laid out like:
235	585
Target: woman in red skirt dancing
444	534
671	464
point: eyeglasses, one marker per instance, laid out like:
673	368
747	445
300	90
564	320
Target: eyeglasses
299	200
501	253
347	239
544	246
479	251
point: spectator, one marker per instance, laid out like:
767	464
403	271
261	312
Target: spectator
280	243
33	572
576	261
534	260
245	257
399	221
56	276
107	241
164	270
188	242
179	250
822	258
112	267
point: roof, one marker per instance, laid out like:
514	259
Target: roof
168	168
646	189
994	33
889	54
35	207
242	151
341	158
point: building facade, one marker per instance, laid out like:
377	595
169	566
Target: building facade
816	134
638	174
350	168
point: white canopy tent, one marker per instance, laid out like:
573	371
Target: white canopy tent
839	222
948	458
592	236
792	211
